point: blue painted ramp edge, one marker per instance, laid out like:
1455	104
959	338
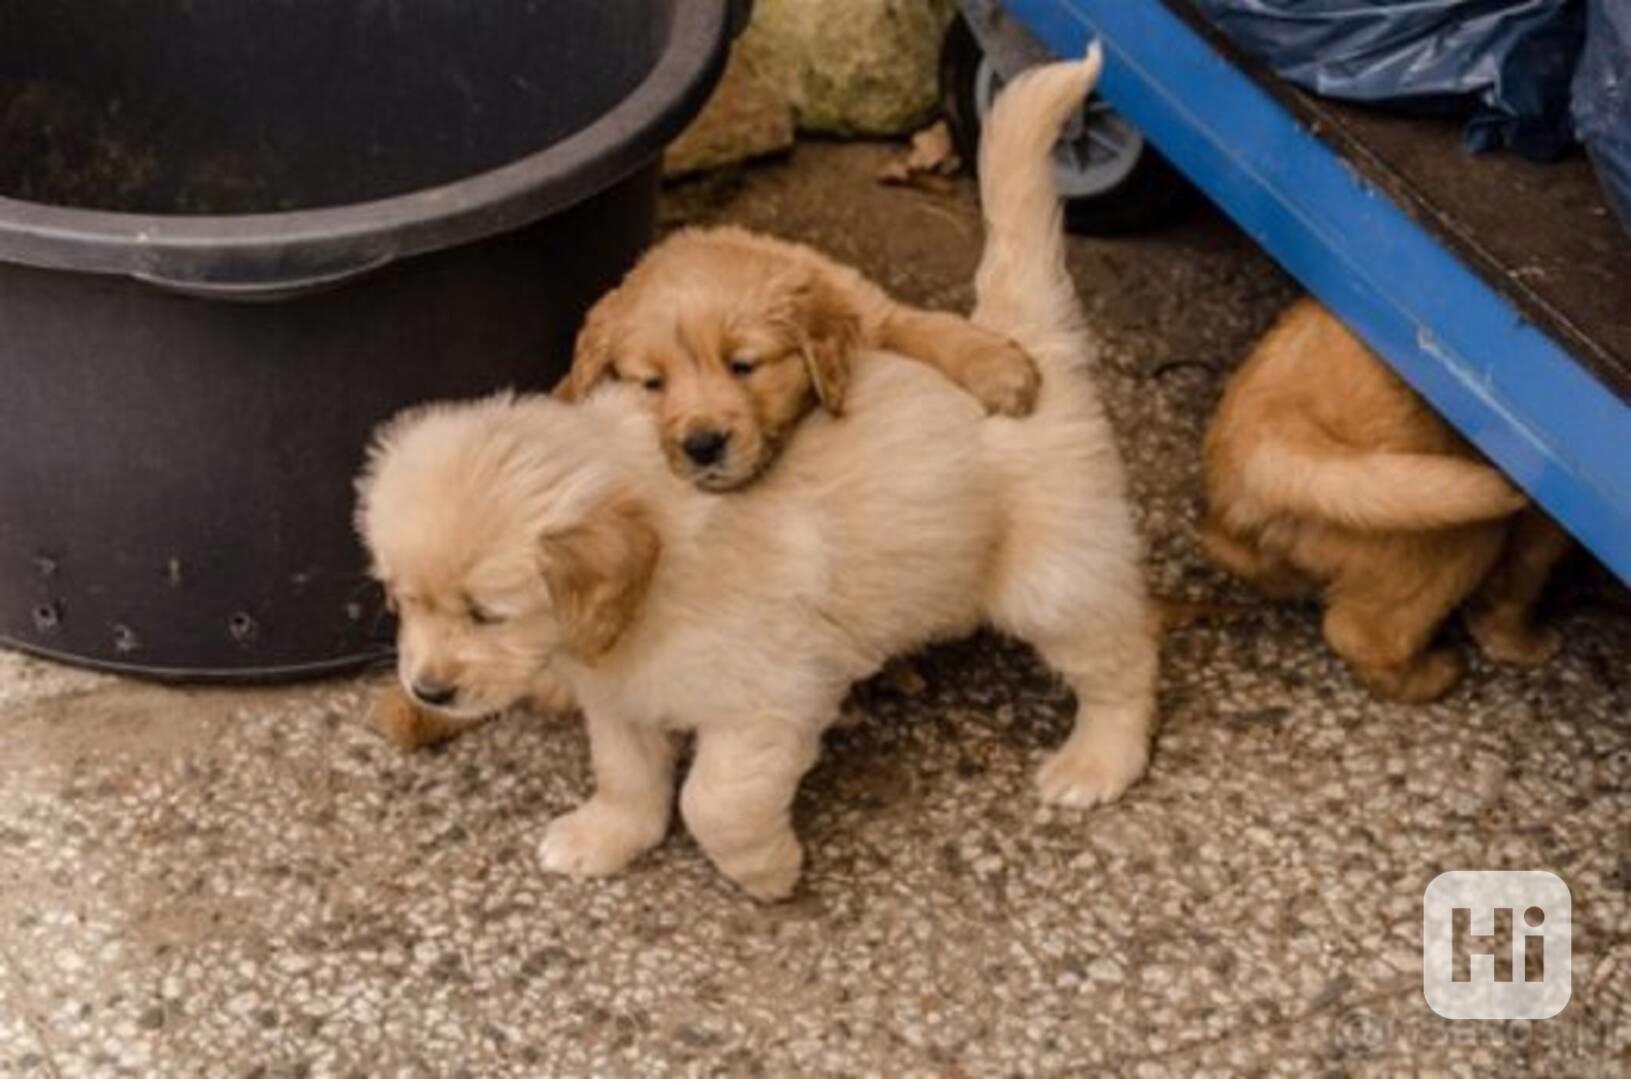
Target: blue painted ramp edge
1509	387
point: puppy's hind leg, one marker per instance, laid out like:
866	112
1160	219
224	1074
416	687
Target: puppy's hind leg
1103	639
1394	593
1500	613
1388	651
1111	669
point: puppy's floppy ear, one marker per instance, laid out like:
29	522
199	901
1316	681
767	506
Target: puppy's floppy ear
827	325
592	353
598	572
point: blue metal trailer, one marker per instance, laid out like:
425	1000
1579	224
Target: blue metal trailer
1500	290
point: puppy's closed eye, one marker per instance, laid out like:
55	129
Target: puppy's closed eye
480	615
650	382
743	364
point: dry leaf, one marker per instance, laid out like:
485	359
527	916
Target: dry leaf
931	154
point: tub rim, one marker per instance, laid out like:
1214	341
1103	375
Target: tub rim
270	255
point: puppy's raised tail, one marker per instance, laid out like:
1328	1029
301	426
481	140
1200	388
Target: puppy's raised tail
1377	490
1023	289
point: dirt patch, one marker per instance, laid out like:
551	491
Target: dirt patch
1197	290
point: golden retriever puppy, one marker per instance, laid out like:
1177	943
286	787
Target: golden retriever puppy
1327	475
733	337
519	535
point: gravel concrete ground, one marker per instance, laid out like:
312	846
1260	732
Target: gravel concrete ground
254	883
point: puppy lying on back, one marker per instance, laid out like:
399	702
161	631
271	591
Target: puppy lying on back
525	535
733	337
1327	475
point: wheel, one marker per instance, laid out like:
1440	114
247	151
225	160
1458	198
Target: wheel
1111	180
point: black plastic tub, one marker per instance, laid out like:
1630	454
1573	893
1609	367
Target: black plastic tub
234	237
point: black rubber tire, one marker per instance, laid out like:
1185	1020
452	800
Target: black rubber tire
1150	195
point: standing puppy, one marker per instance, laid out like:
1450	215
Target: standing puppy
733	338
1327	475
524	535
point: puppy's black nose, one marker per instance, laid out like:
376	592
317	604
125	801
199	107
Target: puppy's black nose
706	447
434	694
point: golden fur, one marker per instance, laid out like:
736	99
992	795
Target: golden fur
735	336
521	536
707	300
1326	474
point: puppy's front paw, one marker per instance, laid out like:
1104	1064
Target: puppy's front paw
1004	380
1087	772
597	839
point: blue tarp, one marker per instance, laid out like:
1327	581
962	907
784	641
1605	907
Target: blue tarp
1602	100
1508	62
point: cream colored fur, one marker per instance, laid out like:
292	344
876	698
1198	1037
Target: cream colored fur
913	517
